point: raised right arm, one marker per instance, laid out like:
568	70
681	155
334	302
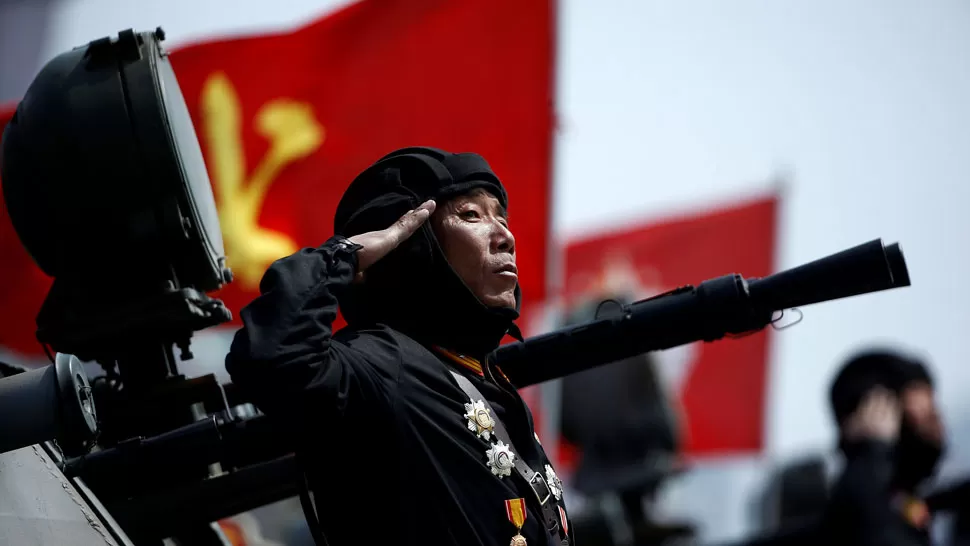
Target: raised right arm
285	359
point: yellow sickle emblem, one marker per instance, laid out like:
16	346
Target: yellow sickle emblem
293	134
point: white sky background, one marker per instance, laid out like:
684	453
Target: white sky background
665	106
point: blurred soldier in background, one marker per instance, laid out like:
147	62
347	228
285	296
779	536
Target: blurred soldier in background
626	429
892	437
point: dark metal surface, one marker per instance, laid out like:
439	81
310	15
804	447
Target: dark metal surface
166	513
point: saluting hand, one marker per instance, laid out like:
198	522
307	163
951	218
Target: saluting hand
378	244
878	417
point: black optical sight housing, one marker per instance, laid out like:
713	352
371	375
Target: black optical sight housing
106	187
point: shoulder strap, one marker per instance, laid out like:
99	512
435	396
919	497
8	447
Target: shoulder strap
536	482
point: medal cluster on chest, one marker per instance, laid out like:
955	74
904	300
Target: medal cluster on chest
501	459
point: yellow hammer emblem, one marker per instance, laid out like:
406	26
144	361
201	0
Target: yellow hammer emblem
293	134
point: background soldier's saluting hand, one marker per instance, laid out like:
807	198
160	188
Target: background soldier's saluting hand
878	417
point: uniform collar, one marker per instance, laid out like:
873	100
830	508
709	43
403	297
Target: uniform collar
462	361
466	362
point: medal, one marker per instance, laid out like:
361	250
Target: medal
565	522
515	510
479	419
500	459
916	513
555	484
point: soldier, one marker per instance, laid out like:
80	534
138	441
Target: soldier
892	437
412	435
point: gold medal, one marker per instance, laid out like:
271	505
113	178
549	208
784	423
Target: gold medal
515	510
479	419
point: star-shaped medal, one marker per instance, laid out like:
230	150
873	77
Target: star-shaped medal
500	459
555	484
479	419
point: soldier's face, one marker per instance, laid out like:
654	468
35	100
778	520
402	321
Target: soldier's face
473	231
919	408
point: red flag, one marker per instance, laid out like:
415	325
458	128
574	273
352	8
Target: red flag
721	385
287	120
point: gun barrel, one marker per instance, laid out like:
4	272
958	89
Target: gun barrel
201	443
869	267
715	308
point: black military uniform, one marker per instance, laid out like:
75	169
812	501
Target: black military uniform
410	431
874	500
865	509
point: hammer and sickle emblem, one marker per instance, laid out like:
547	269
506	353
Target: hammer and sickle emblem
293	134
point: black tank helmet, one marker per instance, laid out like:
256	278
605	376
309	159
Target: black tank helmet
867	369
